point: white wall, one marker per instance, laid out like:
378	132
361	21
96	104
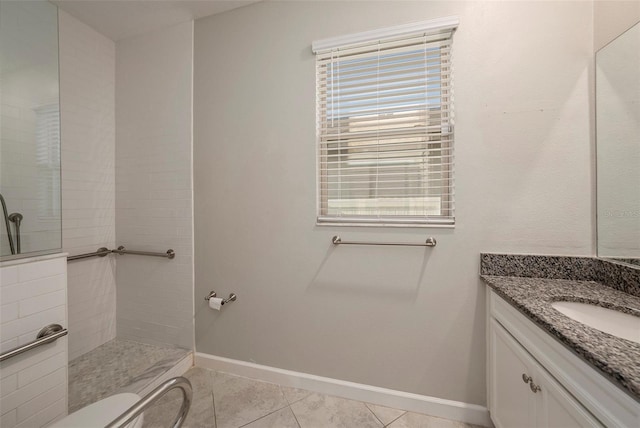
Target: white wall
87	99
403	318
33	385
154	185
611	18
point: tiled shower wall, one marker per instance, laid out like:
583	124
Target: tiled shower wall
87	101
33	385
154	187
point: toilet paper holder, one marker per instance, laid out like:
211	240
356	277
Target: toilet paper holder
232	297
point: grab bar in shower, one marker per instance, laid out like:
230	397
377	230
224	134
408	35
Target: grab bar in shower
430	242
134	411
170	254
48	334
103	251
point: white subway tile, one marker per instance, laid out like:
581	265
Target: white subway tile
33	322
9	419
41	369
8	275
87	86
42	269
25	290
8	312
8	344
46	416
42	303
42	401
31	358
8	384
22	395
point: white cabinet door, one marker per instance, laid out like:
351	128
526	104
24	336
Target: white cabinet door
523	394
557	408
511	399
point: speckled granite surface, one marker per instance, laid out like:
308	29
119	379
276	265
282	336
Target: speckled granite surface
532	266
620	276
618	359
635	262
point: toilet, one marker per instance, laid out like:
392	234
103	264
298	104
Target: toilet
101	413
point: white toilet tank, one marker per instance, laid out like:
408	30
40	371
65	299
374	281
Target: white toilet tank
101	413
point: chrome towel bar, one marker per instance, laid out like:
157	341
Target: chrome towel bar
48	334
103	251
430	242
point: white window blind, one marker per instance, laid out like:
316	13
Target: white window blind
48	160
385	130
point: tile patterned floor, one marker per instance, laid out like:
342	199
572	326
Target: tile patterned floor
115	366
221	400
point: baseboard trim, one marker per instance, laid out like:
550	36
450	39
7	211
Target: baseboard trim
449	409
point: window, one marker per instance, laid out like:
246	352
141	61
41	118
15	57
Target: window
48	161
385	126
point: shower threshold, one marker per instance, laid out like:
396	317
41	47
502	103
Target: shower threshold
123	366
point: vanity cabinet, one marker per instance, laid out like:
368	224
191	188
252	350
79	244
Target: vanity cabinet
535	381
523	393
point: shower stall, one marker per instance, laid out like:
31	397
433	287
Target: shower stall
65	189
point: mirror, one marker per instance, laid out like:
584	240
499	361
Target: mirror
30	221
618	147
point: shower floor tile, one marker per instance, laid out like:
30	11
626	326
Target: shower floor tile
221	400
116	365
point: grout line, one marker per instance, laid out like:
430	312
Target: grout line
374	414
213	399
290	404
299	399
268	414
403	413
294	416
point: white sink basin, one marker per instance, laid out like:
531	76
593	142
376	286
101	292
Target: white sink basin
610	321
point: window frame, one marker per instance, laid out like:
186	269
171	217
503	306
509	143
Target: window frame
431	27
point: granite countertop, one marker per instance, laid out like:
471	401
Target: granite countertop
617	359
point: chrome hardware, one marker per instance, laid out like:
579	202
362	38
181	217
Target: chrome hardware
430	242
232	297
48	334
170	254
16	218
528	379
134	411
535	388
7	224
103	251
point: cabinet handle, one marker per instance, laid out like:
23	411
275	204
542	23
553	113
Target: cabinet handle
535	388
526	379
